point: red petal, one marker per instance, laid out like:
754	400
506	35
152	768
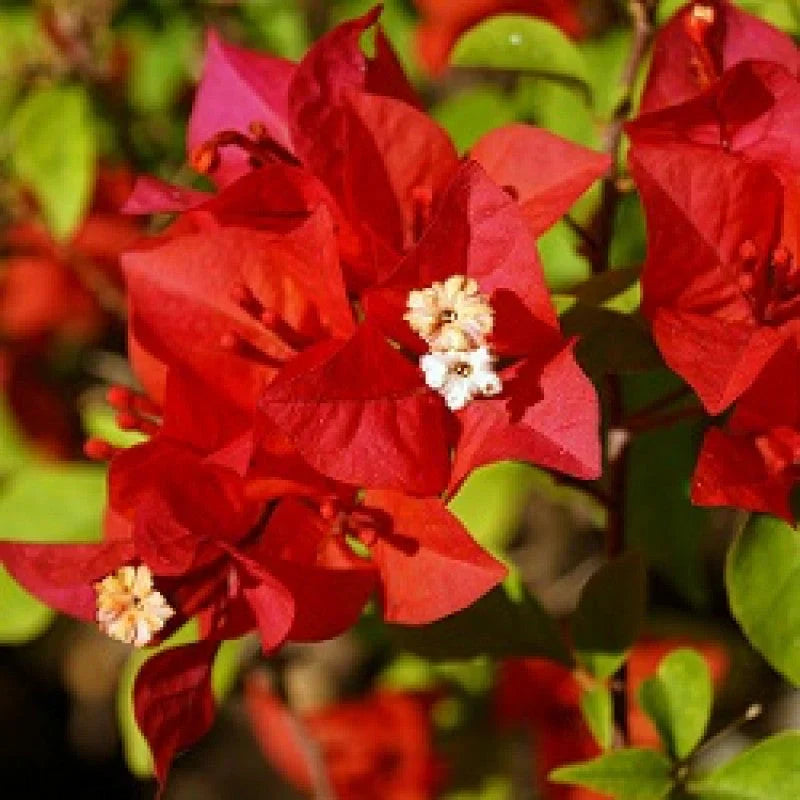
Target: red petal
238	87
333	65
359	412
731	472
277	732
396	161
479	231
720	360
430	565
548	415
546	173
688	58
62	575
329	583
173	702
153	196
183	308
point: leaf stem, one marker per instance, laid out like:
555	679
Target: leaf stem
618	438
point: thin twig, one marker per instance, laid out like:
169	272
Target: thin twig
618	444
643	13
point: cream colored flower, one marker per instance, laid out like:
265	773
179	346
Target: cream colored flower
704	13
129	608
452	315
459	377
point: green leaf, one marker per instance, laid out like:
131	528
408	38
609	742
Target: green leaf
469	113
522	43
53	152
610	614
622	774
678	698
53	503
24	617
162	63
563	265
598	711
492	502
562	108
763	582
605	57
660	519
508	621
768	771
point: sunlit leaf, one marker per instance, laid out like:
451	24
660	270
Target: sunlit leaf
622	774
53	503
53	152
23	617
763	582
678	699
768	771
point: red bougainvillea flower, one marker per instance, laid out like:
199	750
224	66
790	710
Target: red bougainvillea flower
718	178
183	539
64	289
546	697
753	462
443	21
380	747
702	41
344	113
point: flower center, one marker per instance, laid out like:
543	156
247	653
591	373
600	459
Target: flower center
771	285
455	319
129	609
451	315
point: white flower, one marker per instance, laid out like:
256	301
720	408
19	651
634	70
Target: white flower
128	607
452	315
459	376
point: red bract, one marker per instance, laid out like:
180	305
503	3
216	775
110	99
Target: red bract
355	129
379	748
443	21
752	462
716	177
701	42
64	289
179	509
547	413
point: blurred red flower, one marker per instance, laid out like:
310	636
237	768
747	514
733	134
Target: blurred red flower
376	748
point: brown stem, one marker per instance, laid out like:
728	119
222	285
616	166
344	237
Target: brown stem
643	14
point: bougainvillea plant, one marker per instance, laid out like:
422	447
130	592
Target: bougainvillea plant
351	306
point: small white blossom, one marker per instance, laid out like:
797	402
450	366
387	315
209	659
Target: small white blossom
129	609
459	377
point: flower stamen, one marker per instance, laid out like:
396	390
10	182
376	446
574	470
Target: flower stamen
451	315
129	609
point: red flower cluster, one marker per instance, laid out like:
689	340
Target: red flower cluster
59	292
445	20
330	344
717	175
378	748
